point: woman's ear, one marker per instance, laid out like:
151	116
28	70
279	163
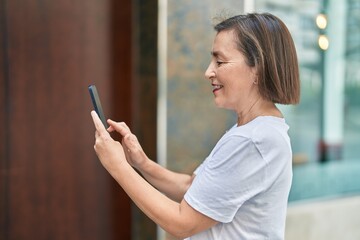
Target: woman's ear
255	75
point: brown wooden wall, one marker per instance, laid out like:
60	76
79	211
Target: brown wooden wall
51	184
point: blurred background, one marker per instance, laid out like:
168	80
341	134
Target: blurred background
148	59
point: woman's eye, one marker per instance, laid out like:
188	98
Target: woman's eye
219	63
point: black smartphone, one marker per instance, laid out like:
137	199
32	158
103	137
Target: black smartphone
97	104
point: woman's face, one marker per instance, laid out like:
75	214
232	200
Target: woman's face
232	79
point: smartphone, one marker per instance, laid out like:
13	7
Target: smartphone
97	104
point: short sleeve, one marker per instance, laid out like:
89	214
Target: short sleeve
232	174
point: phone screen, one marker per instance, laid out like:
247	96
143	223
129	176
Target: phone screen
97	104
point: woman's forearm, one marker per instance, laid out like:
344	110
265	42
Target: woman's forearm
172	184
161	209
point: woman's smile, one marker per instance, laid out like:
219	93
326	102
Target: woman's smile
216	87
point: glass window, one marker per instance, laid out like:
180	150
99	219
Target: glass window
325	125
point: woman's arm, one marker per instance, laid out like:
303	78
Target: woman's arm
172	184
179	219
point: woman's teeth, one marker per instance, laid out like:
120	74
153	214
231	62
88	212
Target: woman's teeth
216	87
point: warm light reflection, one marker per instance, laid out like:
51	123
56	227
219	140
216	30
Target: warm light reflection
323	42
321	21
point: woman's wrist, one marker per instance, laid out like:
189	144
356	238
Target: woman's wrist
144	164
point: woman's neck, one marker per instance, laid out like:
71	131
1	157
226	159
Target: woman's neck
259	107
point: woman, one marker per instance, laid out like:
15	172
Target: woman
241	189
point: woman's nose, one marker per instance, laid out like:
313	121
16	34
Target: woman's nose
209	73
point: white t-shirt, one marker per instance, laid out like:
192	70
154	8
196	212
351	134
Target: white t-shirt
245	181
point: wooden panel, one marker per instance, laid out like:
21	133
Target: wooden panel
145	96
3	120
121	52
56	187
121	99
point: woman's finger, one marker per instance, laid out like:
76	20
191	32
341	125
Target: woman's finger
99	126
120	127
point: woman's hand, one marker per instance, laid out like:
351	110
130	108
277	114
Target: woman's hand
110	152
132	148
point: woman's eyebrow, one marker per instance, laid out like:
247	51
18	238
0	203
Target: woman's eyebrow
215	53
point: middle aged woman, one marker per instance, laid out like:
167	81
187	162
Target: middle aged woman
240	191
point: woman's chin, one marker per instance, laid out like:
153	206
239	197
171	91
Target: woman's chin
219	104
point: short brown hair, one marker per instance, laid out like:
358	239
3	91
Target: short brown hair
267	45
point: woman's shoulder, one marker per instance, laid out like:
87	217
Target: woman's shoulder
260	126
265	130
